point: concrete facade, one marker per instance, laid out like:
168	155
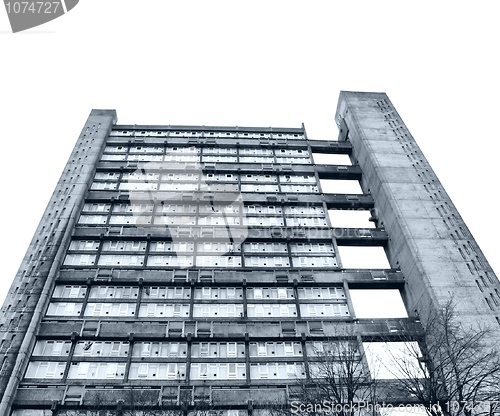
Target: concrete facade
428	241
187	265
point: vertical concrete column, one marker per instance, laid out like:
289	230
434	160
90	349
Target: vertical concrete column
428	239
35	278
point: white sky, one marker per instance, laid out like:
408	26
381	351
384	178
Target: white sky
377	303
258	63
388	360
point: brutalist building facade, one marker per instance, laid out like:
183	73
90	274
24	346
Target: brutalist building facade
196	267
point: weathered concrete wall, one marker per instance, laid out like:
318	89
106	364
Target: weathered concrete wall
428	239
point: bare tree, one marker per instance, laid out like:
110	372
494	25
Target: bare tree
339	381
137	402
453	371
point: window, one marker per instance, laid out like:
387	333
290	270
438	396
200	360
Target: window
259	188
167	246
177	208
52	348
113	158
291	179
294	160
175	261
163	310
79	260
275	349
256	159
157	371
323	310
271	310
265	248
327	293
114	245
138	186
139	176
115	149
305	210
218	371
175	220
179	186
282	293
259	151
263	210
61	291
317	262
183	150
129	220
219	261
107	176
262	349
96	207
210	208
64	309
110	309
182	158
276	371
218	350
306	222
121	260
219	151
218	310
249	178
217	158
213	220
266	221
96	370
292	152
208	247
333	349
218	293
256	293
267	261
101	349
146	149
114	292
82	245
31	412
142	371
135	208
44	369
270	293
301	189
103	186
313	248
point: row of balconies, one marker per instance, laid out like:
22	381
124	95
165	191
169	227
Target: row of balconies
344	201
246	399
324	171
201	278
227	329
